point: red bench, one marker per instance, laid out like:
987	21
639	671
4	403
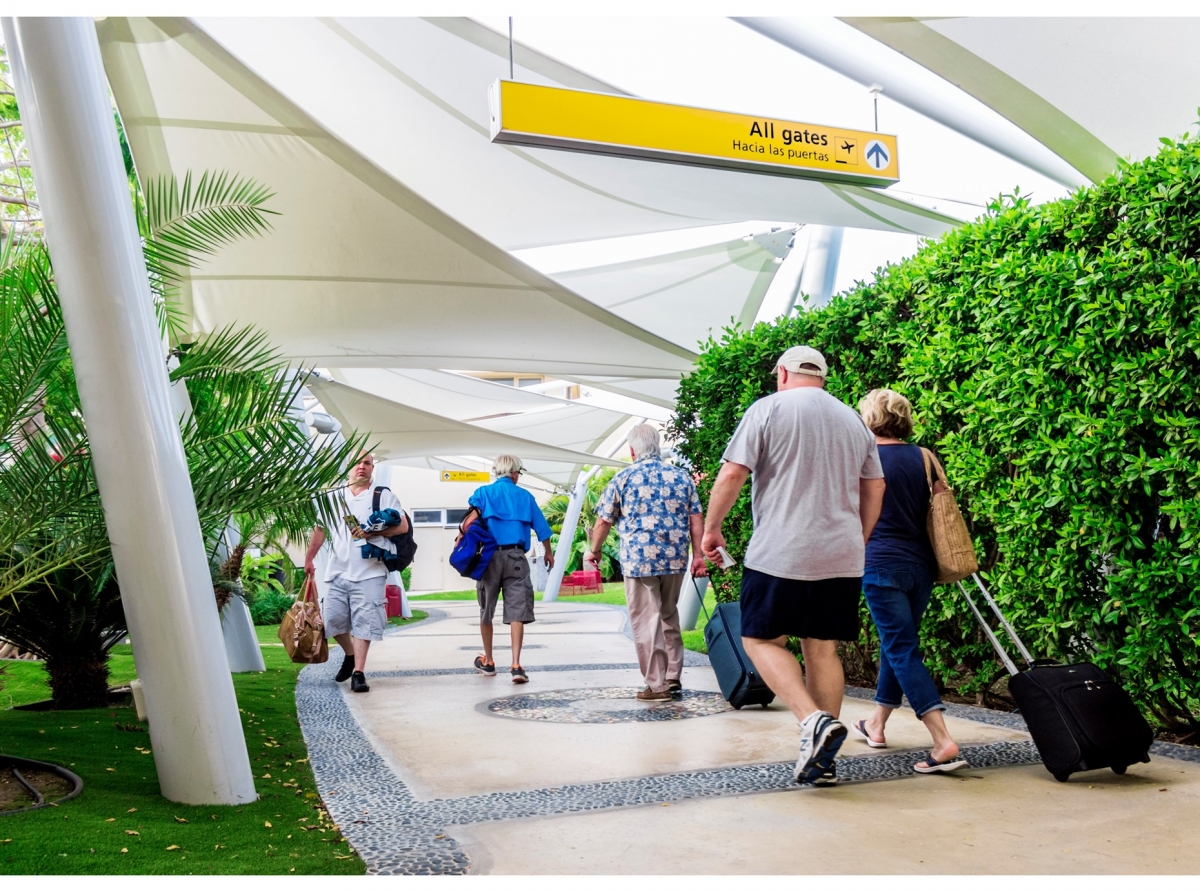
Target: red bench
581	582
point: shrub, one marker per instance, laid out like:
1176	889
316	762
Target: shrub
268	608
1052	356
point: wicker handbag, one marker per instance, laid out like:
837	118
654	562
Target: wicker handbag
952	545
303	628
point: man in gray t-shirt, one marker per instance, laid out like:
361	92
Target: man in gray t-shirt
817	491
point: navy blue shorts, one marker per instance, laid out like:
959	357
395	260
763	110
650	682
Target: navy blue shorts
801	608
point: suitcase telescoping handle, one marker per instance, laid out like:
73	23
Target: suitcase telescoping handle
1012	633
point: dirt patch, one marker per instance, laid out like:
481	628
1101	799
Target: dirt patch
13	794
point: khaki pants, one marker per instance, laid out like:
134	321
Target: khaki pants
654	617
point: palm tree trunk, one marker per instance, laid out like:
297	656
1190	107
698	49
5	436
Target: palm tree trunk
79	680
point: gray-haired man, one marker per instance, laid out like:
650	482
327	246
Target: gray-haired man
658	512
510	513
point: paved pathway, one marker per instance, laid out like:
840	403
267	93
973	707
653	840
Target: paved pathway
439	770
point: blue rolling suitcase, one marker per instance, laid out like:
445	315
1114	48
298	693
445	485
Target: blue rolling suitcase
740	682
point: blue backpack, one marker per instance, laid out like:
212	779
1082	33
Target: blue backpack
474	547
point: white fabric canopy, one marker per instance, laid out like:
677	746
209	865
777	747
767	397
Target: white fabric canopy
405	432
657	391
411	95
685	295
1087	89
359	270
461	397
565	424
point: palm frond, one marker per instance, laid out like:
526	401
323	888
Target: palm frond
251	455
186	222
33	341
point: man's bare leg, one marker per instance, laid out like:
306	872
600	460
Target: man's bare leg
826	680
346	643
361	646
782	673
485	632
518	637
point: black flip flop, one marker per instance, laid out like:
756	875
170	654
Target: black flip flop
933	766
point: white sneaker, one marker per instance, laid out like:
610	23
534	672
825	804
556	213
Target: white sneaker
821	736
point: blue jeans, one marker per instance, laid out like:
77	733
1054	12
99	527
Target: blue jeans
897	596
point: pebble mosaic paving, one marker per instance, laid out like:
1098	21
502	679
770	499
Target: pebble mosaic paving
397	834
605	706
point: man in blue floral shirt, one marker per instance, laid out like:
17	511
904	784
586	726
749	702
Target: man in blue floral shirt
657	511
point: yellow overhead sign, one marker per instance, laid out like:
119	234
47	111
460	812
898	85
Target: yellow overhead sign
533	115
466	476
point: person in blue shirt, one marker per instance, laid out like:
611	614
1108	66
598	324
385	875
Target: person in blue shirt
510	514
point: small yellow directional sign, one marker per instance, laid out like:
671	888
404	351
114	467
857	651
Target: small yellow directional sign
466	476
601	123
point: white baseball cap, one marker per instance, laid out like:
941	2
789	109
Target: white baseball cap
795	358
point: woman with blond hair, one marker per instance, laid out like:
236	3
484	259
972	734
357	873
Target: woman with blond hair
899	577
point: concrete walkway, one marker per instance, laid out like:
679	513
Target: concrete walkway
441	770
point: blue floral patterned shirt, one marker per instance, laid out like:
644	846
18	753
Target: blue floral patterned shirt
651	503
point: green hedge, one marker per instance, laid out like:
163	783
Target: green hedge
1052	355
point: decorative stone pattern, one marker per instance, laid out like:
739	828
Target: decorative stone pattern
1016	722
606	706
398	834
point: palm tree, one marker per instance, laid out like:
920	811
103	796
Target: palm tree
247	454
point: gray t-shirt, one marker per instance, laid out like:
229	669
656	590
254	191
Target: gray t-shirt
806	451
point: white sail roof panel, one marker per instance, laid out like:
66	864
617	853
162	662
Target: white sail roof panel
405	432
411	95
359	270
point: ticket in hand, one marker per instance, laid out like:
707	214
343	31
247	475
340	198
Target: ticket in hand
726	560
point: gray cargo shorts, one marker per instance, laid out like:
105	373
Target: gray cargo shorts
359	608
507	570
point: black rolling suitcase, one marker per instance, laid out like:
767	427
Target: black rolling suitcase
1078	717
740	682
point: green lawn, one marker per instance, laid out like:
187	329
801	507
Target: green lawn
121	825
614	593
25	681
417	616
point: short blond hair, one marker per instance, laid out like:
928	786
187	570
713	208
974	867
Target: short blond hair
887	414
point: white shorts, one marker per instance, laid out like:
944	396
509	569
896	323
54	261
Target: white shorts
359	608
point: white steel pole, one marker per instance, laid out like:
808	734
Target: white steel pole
565	538
237	625
690	598
821	264
137	451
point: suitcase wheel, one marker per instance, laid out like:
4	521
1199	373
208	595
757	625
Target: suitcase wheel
736	705
766	706
1062	777
1119	769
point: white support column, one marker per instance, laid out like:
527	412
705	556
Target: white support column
237	626
195	729
567	536
241	643
821	264
690	600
